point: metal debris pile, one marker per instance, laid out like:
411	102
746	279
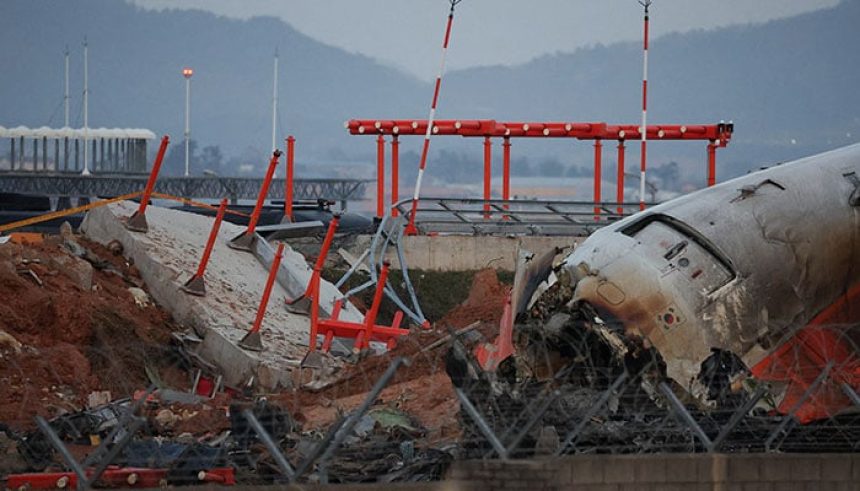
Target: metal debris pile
581	383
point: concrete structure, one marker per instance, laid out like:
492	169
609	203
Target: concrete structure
688	472
170	252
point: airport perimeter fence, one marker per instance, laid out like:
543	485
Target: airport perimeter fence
115	411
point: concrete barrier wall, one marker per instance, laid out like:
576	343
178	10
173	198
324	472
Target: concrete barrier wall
466	252
684	472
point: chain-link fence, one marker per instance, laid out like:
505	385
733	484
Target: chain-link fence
159	417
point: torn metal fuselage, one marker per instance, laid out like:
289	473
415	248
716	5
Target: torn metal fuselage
741	267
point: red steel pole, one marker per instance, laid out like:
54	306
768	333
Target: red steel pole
273	272
410	227
598	163
395	171
264	191
712	163
506	170
213	234
487	174
329	237
619	193
153	176
370	317
380	176
288	190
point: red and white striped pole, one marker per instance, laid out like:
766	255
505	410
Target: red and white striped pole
410	228
644	130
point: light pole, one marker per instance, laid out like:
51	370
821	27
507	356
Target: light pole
86	170
187	73
66	90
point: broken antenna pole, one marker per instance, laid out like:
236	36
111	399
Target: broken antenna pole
422	165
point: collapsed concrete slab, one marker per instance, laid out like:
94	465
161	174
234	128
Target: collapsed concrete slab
170	252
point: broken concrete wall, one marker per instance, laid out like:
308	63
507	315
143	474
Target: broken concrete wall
169	254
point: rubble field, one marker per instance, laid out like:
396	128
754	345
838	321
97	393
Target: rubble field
80	339
81	342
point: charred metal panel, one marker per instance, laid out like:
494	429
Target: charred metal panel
739	267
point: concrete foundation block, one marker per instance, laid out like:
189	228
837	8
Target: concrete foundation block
169	253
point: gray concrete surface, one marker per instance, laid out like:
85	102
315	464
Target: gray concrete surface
169	254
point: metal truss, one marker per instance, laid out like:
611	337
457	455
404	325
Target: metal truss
514	217
235	188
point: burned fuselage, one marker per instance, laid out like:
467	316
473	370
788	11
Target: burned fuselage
741	267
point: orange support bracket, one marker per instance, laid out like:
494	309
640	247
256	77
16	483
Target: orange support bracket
395	174
619	192
288	182
712	163
489	355
598	177
487	175
380	176
196	285
362	333
302	303
506	171
245	241
137	221
253	341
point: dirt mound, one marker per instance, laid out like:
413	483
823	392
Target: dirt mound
422	388
72	326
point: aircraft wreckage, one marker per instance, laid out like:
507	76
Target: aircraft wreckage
755	281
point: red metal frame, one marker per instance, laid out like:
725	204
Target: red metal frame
719	135
137	221
488	162
213	234
598	162
153	175
196	285
264	191
395	173
619	191
380	176
288	183
313	284
712	164
363	333
506	170
270	281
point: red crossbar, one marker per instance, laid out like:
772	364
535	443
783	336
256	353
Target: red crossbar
720	132
363	333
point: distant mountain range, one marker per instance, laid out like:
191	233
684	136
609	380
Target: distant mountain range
790	86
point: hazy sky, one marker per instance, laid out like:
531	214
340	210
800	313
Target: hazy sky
408	33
